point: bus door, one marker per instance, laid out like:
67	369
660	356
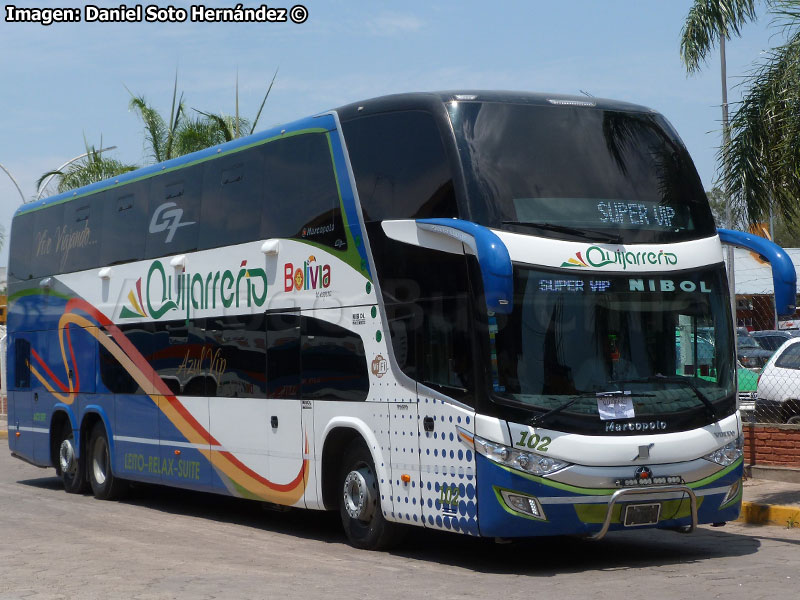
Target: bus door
20	409
286	417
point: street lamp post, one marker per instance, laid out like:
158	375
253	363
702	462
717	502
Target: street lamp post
10	176
726	139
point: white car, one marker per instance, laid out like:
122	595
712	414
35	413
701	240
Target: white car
778	395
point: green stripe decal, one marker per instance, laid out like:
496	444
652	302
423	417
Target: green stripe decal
607	491
670	509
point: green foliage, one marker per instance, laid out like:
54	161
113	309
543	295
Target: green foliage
182	134
760	165
165	138
91	168
706	22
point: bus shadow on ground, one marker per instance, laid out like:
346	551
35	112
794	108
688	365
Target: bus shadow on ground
546	556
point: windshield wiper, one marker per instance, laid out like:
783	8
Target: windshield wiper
590	234
540	418
680	381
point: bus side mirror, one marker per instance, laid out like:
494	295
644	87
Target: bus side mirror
784	276
448	235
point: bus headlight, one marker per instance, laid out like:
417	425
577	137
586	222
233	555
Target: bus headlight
729	453
528	462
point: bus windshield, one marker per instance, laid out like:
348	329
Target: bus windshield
563	171
616	346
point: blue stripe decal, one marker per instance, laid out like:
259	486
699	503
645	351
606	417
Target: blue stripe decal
493	258
348	200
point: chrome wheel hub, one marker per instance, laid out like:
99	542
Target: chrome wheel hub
99	461
359	501
66	457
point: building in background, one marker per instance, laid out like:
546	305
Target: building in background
755	304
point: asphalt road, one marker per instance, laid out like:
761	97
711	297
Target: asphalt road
162	543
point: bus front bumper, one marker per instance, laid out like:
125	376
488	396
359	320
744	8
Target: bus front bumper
516	504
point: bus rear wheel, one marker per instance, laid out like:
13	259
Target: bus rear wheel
360	505
105	485
71	467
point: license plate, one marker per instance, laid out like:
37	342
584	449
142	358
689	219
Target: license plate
642	514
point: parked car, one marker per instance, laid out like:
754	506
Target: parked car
778	394
747	382
749	353
772	339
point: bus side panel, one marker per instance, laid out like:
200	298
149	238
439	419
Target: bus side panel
368	420
240	426
183	461
447	466
39	400
407	497
11	415
137	454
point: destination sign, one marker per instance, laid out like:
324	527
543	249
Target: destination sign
604	213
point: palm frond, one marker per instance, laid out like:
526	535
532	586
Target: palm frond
761	164
263	102
155	129
707	21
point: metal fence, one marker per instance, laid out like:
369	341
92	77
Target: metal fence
768	353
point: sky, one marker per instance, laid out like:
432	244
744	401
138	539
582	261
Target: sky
66	82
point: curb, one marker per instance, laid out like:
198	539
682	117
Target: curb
770	514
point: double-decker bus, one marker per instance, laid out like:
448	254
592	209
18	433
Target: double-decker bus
498	314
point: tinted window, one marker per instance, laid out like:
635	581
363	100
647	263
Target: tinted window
283	355
233	357
400	166
22	359
624	172
301	197
79	237
112	374
47	254
334	363
124	224
790	358
174	212
232	200
20	251
773	342
182	360
429	313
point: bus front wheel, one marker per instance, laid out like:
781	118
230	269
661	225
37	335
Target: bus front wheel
105	485
360	505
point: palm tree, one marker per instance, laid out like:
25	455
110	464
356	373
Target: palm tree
760	164
90	168
182	134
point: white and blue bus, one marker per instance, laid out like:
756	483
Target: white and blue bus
475	312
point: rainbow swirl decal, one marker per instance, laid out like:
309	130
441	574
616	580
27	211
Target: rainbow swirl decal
577	261
246	481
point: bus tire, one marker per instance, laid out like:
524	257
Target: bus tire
360	504
105	485
69	466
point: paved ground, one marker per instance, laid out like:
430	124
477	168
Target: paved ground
166	544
